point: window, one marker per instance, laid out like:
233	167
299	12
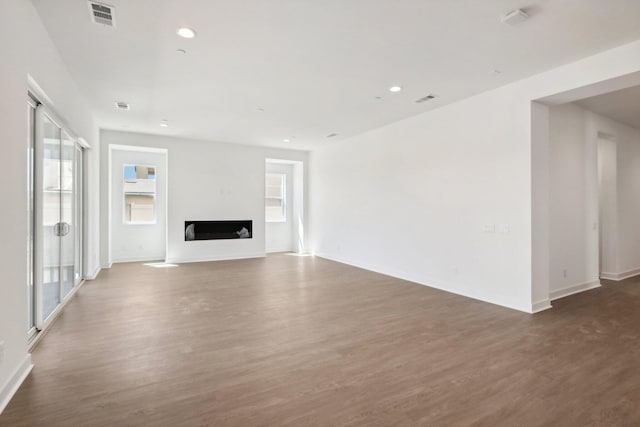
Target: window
274	201
139	194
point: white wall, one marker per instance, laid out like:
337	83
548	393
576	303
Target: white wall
26	49
607	206
208	181
279	235
138	242
627	193
412	199
573	202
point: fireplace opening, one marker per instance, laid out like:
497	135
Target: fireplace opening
215	230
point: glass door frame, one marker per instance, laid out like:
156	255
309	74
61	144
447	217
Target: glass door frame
77	211
32	104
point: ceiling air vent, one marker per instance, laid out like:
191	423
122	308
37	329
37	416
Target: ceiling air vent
121	105
425	98
514	17
102	13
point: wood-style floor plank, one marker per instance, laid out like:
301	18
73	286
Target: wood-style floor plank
303	341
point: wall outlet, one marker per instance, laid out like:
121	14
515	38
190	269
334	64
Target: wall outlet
1	352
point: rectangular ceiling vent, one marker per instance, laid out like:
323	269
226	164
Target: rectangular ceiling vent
121	105
425	98
102	13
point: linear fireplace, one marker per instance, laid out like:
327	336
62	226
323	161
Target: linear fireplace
214	230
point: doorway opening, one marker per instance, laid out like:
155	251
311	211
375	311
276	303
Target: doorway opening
585	209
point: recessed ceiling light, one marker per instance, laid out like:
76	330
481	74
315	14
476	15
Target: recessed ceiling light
186	32
332	135
286	140
395	89
164	124
181	51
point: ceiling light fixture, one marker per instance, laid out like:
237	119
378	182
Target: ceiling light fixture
186	32
395	89
181	51
164	124
286	140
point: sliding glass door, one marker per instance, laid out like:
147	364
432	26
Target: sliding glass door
58	207
31	142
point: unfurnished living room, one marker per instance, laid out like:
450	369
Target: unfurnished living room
320	213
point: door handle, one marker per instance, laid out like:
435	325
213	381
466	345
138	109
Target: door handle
61	229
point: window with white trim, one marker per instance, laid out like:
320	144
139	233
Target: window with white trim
275	200
139	194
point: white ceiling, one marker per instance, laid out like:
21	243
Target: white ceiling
315	67
621	105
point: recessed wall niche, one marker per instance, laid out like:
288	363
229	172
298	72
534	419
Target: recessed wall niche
217	230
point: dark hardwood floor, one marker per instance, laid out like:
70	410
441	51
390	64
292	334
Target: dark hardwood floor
302	341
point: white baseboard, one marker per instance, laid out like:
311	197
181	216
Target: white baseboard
275	251
140	259
432	283
13	384
93	275
539	306
216	258
620	276
574	289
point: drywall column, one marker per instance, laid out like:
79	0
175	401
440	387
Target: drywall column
298	207
539	206
608	207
